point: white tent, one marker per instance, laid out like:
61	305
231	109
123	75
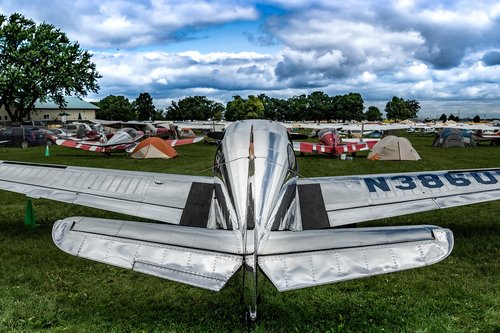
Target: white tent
393	148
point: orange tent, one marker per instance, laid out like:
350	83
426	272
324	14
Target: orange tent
153	148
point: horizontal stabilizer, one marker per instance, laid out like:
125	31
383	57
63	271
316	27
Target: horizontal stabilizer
202	258
343	254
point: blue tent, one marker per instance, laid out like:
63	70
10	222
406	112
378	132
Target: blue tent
453	137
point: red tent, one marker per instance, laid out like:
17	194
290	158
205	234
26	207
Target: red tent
153	147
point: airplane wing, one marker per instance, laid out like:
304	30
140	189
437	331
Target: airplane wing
354	147
156	196
84	145
351	127
346	200
180	142
187	249
309	147
96	146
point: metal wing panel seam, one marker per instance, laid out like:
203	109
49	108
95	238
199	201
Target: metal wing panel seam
268	257
87	234
191	273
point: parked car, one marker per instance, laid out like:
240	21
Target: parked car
50	135
82	130
34	123
22	136
61	133
29	123
55	134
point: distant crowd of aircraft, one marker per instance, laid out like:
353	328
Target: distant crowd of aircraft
334	138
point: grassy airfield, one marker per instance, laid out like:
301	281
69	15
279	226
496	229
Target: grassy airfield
44	289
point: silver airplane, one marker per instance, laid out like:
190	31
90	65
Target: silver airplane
254	214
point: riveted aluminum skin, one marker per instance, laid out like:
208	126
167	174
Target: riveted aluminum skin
387	250
161	250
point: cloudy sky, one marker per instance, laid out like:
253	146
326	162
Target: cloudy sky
446	54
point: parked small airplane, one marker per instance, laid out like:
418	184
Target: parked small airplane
331	143
84	131
255	213
493	136
362	127
123	140
147	128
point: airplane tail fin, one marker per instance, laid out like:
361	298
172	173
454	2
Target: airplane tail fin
103	139
344	254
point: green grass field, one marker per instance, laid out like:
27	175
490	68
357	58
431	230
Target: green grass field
44	289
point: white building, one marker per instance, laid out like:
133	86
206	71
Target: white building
76	108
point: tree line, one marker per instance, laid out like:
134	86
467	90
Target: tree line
444	118
317	106
120	108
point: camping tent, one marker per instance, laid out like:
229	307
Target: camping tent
452	137
153	147
393	148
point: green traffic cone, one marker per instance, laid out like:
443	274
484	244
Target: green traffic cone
47	151
29	215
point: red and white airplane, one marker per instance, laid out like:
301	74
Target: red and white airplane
331	143
125	139
122	140
493	136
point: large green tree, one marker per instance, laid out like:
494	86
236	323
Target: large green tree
321	106
240	108
235	109
194	108
274	108
143	106
299	106
115	108
398	108
39	62
373	114
254	108
158	114
349	107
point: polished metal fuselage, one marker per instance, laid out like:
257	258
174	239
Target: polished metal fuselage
255	165
256	162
